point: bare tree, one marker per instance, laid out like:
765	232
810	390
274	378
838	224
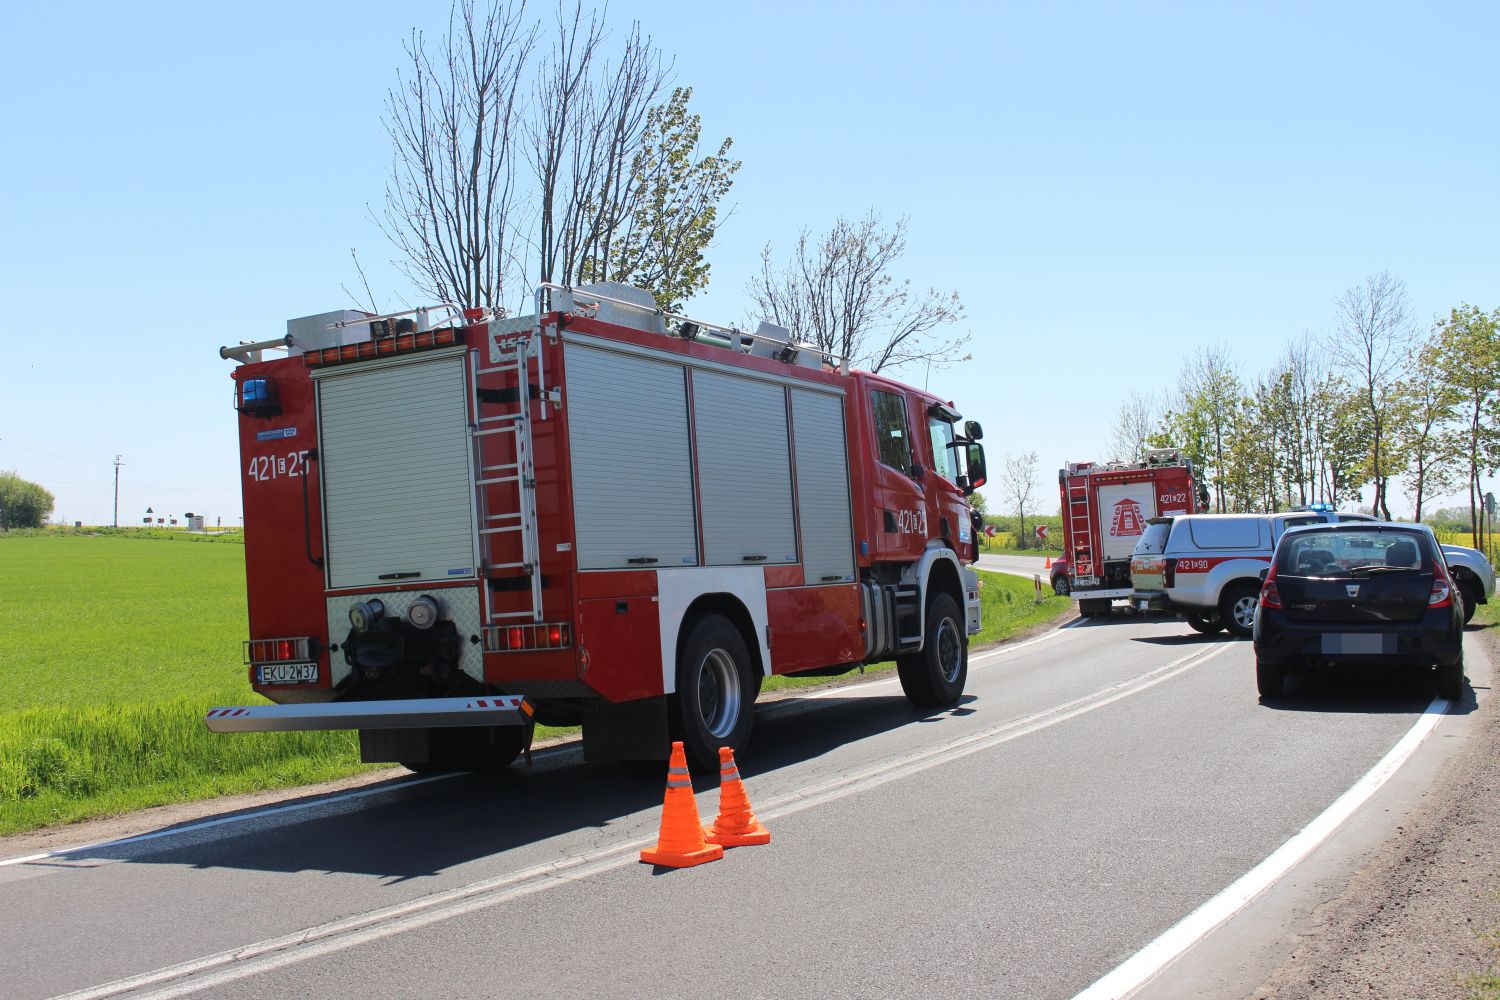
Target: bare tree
525	153
1370	348
1135	422
588	119
452	120
839	292
1018	485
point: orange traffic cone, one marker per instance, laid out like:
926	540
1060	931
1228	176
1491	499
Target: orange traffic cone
680	843
1049	563
736	825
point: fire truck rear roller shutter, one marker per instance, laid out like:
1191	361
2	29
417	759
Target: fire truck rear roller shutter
822	486
395	467
632	471
744	470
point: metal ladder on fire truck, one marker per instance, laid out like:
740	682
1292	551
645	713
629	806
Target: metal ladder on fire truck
510	356
1080	528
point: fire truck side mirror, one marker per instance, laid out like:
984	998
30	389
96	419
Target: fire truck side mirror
973	431
978	475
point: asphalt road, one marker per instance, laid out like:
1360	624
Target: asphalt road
1095	786
1026	566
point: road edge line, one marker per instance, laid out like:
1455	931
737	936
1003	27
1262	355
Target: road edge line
1148	963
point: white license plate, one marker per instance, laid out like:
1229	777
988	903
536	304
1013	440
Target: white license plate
1358	643
267	674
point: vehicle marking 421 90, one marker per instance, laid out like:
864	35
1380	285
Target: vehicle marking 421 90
1201	564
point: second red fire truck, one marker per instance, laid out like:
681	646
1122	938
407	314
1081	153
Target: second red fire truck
597	514
1105	507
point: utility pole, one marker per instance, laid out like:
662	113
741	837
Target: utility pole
118	463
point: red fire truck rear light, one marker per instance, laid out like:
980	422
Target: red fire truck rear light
519	638
279	650
401	343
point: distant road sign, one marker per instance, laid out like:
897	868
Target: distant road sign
989	531
1041	532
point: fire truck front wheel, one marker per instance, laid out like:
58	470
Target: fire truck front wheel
716	689
935	677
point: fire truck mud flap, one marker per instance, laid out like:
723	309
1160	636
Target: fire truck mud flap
972	622
482	710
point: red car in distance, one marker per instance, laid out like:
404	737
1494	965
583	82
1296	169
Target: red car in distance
1059	577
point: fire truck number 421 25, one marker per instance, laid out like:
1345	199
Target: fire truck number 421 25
263	468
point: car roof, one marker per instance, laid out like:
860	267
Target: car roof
1345	527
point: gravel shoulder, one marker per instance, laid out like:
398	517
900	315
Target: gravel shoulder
1418	919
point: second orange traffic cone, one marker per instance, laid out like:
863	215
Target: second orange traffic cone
736	825
1049	563
680	843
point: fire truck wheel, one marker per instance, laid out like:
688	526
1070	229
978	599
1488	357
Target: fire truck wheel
716	689
1207	624
934	678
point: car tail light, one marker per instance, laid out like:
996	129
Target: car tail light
517	638
1169	574
1270	597
1442	590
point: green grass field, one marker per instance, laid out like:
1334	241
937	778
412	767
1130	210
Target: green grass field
114	645
113	648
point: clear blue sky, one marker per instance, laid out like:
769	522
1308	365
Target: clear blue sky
1107	186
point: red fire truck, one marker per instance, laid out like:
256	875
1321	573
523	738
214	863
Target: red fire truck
598	514
1105	508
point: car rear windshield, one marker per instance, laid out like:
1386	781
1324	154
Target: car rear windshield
1353	553
1154	538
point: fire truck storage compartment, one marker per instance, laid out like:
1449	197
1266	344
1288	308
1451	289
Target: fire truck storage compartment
1124	509
395	460
822	487
744	470
632	464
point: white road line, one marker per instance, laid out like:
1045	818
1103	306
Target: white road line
363	793
1146	964
289	949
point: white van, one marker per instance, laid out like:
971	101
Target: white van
1208	566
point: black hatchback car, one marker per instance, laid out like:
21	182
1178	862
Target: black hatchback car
1359	593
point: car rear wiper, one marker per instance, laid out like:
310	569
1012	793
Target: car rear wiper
1381	568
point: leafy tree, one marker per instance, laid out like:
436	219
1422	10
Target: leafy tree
1466	350
840	292
670	214
23	504
1370	349
1201	421
1421	430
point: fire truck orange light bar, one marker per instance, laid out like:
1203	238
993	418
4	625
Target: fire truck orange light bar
402	343
278	650
519	638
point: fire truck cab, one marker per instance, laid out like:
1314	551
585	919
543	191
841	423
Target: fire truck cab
597	514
